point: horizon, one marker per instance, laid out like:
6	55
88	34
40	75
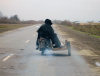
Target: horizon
73	10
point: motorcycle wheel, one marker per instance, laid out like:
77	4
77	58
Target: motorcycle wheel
42	51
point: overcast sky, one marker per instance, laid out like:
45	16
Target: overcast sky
74	10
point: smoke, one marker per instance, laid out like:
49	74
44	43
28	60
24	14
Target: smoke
49	52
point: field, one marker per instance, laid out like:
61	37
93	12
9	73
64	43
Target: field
90	29
7	27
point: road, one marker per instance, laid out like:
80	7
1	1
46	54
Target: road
18	57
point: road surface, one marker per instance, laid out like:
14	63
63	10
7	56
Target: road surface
18	57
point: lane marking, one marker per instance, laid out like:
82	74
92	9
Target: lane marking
97	64
27	41
37	26
6	58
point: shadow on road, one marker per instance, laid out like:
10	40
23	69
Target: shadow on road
54	54
61	55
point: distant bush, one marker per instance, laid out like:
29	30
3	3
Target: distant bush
68	23
90	27
12	20
15	20
65	22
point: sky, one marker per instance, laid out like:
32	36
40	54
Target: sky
73	10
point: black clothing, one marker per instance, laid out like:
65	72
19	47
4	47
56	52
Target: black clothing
47	32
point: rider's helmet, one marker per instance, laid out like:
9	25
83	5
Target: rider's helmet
48	21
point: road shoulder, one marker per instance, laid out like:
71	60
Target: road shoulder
87	46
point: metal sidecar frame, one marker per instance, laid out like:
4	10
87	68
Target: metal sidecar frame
45	44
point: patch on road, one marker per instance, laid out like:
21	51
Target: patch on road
87	53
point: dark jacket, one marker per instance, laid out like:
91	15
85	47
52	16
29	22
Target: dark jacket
46	31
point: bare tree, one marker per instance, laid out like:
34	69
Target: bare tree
14	18
1	15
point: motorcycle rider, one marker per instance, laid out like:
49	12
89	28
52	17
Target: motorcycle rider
46	31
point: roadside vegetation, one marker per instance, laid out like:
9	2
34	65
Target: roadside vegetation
91	28
13	22
7	27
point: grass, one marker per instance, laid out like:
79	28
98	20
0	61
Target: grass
7	27
92	30
95	36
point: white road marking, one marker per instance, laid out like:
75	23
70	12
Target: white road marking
27	41
6	58
37	26
97	64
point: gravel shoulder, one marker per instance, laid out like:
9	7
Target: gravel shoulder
88	46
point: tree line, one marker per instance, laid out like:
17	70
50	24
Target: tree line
66	22
11	20
15	20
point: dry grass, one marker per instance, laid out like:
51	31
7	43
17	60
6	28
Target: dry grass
90	29
89	23
7	27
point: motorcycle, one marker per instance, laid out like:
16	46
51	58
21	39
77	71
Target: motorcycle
44	44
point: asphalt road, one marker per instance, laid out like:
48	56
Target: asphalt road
18	57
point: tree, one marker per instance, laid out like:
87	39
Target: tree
1	15
14	18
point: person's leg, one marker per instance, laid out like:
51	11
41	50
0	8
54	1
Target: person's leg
37	44
57	41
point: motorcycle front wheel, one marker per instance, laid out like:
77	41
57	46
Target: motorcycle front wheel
42	51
